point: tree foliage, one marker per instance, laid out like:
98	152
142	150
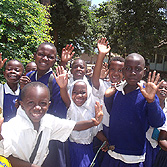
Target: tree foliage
23	25
133	26
71	23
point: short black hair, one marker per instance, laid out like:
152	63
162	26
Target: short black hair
77	60
47	43
116	58
18	62
33	84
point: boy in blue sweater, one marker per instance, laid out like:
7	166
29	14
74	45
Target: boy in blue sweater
132	109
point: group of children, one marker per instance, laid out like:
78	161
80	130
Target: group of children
119	111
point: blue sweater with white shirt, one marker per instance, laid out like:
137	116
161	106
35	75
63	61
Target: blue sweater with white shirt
130	117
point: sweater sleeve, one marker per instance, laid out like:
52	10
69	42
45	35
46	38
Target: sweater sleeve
156	116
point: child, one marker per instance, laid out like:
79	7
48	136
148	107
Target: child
115	67
152	147
115	75
45	58
31	66
132	110
32	127
81	107
11	89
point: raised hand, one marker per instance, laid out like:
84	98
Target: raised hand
98	114
67	53
151	87
103	46
24	80
2	62
62	77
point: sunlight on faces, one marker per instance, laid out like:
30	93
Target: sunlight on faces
115	71
13	71
78	69
79	93
134	69
35	103
45	57
162	91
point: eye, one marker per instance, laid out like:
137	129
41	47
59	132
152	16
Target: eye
17	69
51	57
111	69
43	103
30	103
40	54
120	70
127	68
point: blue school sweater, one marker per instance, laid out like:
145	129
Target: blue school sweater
130	117
57	107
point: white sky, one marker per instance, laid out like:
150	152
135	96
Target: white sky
96	2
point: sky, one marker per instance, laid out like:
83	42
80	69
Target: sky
96	2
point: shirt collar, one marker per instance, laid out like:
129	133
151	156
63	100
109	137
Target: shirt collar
8	90
44	74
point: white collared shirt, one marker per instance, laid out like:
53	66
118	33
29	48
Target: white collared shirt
20	137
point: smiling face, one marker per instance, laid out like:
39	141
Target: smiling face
78	69
30	67
45	57
79	93
162	91
35	103
115	71
13	71
134	69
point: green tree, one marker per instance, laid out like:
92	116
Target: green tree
23	26
71	23
132	26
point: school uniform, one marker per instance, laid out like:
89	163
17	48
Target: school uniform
130	117
161	158
7	101
80	145
20	137
58	151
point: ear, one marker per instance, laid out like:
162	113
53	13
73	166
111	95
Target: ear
21	103
144	72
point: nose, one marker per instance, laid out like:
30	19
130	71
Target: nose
37	108
45	57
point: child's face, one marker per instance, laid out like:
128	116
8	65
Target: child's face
78	69
35	103
162	91
31	67
79	93
13	71
115	71
45	57
133	70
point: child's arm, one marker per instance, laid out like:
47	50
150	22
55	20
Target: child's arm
16	162
2	62
66	55
162	140
100	135
151	87
83	125
103	50
62	80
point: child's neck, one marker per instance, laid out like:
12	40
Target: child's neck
41	73
36	126
13	86
162	103
129	88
